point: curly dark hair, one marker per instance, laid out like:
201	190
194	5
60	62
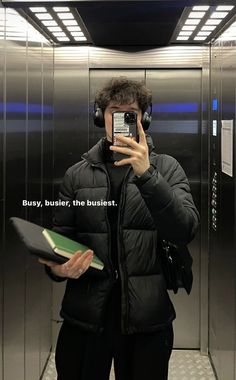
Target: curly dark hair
122	90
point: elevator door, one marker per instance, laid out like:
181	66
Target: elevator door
175	130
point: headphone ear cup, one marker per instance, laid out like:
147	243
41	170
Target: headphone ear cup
146	120
98	118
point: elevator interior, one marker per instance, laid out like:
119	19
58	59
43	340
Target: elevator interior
46	102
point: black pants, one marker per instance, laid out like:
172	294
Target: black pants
81	355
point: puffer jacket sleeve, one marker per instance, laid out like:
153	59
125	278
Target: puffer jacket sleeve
166	192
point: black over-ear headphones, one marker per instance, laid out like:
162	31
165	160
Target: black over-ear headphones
99	121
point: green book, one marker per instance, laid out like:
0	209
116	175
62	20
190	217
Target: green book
67	247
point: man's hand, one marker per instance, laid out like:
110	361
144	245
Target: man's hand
74	267
138	152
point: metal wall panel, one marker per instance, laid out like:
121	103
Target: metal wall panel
14	258
166	57
204	229
71	135
176	130
222	286
2	68
47	193
33	192
23	142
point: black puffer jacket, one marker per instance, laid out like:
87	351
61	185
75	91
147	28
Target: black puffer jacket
156	204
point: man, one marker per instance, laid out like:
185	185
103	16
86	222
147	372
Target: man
123	312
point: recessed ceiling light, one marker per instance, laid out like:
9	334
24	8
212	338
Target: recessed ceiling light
49	22
201	8
43	16
213	22
59	34
63	39
192	21
69	22
196	14
65	16
224	7
208	27
219	14
74	28
77	34
185	33
38	9
61	9
55	29
200	38
182	38
189	27
203	33
80	38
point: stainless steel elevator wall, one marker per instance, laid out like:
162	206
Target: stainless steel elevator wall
26	146
222	264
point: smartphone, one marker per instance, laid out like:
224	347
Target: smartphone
125	123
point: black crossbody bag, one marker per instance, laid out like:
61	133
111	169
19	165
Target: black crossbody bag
176	263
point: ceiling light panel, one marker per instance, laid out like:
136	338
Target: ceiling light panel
213	21
49	22
74	28
208	27
196	14
201	8
80	38
225	8
61	24
61	9
189	27
38	9
65	15
182	38
219	14
200	23
69	22
43	16
192	21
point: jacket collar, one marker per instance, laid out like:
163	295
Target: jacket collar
95	154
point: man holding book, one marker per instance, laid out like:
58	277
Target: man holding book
122	312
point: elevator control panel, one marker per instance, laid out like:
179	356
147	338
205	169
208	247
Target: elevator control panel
214	186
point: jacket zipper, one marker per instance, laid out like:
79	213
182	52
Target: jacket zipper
121	259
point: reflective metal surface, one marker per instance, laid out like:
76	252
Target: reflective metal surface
71	134
176	130
222	285
167	57
23	140
2	22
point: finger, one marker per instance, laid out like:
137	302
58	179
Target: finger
125	161
74	257
78	271
82	259
142	137
123	150
126	140
47	262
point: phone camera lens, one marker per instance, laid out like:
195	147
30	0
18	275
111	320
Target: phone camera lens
130	117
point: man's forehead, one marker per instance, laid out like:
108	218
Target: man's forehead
131	106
